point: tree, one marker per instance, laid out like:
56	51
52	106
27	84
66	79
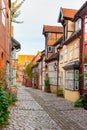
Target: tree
15	12
28	70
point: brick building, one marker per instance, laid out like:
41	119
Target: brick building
5	36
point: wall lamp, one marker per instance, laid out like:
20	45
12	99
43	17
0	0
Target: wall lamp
55	66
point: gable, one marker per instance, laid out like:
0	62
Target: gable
66	14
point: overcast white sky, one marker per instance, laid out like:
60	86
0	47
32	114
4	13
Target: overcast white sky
35	14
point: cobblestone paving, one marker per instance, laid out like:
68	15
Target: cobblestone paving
37	110
29	115
61	111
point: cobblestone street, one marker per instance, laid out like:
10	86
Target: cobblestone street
37	110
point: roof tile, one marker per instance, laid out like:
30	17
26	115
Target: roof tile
55	29
69	13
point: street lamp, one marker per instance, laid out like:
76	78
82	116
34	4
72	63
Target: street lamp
55	66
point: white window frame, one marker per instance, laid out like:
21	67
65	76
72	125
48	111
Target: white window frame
52	74
78	24
61	78
61	56
72	79
49	35
49	48
76	76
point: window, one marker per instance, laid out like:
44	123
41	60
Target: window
52	74
49	49
7	22
85	76
69	81
78	25
61	78
85	31
61	56
3	12
56	50
76	79
49	36
13	54
72	79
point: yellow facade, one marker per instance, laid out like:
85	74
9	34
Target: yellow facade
71	95
70	53
70	28
22	59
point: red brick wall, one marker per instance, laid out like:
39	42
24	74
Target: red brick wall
4	36
53	88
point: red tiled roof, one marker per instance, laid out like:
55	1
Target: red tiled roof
69	13
55	29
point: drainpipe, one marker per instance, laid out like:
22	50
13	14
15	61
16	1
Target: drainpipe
82	59
57	68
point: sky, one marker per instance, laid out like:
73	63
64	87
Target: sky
35	14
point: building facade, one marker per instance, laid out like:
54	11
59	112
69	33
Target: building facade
5	6
51	34
23	60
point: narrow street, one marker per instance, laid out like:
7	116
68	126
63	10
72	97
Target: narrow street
37	110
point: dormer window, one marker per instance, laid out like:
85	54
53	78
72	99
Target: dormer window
49	48
78	25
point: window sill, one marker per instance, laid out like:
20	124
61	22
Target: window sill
71	89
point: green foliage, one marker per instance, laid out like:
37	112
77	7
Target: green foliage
15	11
47	85
79	103
59	91
4	111
80	77
36	87
28	70
11	97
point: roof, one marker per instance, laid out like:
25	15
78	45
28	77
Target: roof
81	11
52	57
15	43
66	13
52	29
69	13
36	57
